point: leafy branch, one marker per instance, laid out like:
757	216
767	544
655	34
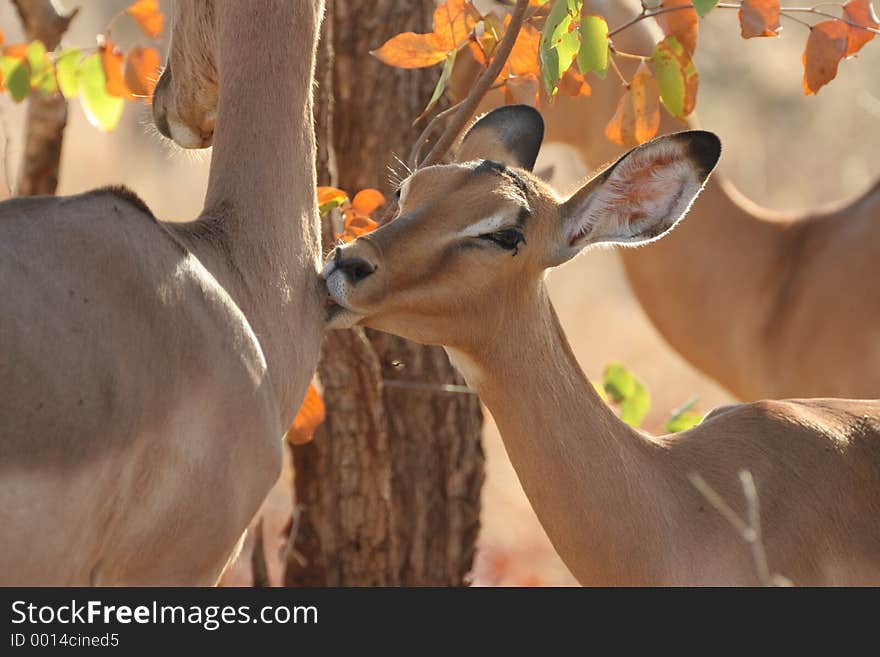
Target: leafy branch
102	77
562	44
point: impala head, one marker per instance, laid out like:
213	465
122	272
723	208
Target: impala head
185	99
472	240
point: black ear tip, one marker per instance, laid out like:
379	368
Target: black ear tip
521	113
519	127
704	148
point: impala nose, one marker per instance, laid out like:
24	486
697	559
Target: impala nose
353	268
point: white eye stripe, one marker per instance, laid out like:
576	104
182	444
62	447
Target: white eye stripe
487	225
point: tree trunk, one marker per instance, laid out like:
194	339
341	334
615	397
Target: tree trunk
46	114
388	493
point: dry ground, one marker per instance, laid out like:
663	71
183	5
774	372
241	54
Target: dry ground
784	150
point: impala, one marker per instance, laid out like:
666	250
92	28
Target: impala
463	265
767	304
149	369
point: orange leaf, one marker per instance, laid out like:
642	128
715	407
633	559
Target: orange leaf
148	16
681	23
759	18
16	50
522	89
326	194
329	198
411	50
309	417
453	22
638	112
574	84
826	46
367	200
142	71
862	13
524	58
111	60
356	224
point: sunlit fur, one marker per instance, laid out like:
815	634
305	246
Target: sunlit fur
150	369
616	503
770	286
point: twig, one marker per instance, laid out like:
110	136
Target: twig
467	108
290	544
259	569
430	387
784	11
749	531
813	10
617	70
415	153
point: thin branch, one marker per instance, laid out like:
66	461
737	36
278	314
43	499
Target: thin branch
429	387
259	569
813	10
617	69
736	5
416	152
749	531
484	82
796	20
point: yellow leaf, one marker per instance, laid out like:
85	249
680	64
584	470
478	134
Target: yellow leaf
411	50
638	111
453	22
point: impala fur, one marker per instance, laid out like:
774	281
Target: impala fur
741	292
149	369
463	265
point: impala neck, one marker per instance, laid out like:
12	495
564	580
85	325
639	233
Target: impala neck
260	223
594	482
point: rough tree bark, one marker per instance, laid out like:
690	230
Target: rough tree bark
389	491
46	114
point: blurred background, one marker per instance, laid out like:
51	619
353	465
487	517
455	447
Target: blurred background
783	150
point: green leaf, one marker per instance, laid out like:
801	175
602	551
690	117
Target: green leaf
635	407
42	69
683	418
703	7
66	69
593	52
625	389
558	44
334	202
676	75
682	422
16	77
102	110
618	382
441	83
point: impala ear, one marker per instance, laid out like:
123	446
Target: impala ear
510	135
640	197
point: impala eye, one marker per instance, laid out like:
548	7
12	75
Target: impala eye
509	238
397	194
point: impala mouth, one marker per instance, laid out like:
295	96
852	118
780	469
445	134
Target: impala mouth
337	314
340	317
